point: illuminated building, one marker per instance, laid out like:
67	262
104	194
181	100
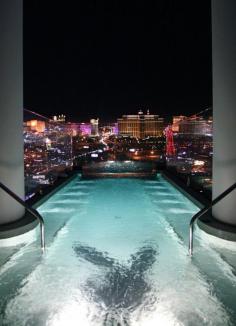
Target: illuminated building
36	125
94	127
80	128
59	118
110	129
48	143
74	128
85	129
196	126
176	121
115	129
141	125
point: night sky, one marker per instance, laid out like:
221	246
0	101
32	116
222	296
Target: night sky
97	58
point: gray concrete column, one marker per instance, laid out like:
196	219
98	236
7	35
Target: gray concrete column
224	106
11	108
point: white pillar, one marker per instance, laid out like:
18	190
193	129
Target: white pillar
11	108
224	106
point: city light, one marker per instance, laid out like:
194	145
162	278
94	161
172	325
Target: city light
60	145
198	163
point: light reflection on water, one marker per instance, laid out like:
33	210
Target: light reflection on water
123	287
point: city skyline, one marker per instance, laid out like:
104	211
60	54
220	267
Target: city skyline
170	120
106	59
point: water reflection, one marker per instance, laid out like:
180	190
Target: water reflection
124	286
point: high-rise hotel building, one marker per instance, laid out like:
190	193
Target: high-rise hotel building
141	125
192	125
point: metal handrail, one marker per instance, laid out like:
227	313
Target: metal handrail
203	211
31	210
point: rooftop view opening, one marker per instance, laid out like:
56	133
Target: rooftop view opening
117	169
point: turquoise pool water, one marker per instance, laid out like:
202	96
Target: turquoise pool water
117	255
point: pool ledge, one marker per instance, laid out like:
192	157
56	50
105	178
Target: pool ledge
144	175
19	227
197	199
212	226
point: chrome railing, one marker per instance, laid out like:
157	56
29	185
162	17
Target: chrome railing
30	210
203	211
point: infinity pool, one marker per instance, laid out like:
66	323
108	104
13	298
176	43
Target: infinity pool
117	255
